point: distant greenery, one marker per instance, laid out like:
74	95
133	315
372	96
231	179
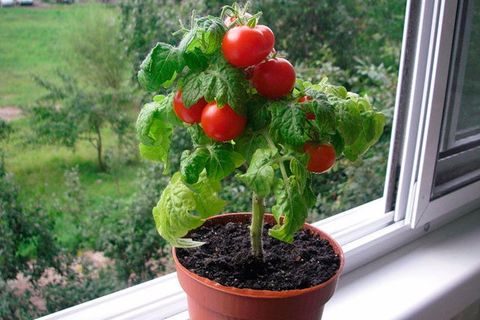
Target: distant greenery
21	57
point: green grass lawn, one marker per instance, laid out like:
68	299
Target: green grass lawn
33	42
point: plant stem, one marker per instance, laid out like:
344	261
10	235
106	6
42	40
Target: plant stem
256	228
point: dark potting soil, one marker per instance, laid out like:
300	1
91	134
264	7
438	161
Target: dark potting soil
226	259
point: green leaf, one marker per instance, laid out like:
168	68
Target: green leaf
288	123
293	206
373	124
221	83
223	161
219	160
211	32
205	194
192	89
159	110
192	164
248	144
198	135
299	170
258	113
182	208
154	153
160	66
338	143
155	127
349	121
324	111
260	174
204	39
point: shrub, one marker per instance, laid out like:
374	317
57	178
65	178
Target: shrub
26	240
132	241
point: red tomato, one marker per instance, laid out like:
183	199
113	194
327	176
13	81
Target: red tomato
188	115
222	124
322	156
268	34
244	46
305	99
274	78
310	115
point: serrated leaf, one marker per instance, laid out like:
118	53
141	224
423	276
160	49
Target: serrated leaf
299	170
324	113
154	129
204	39
158	110
154	153
192	88
260	174
373	124
223	161
248	144
205	194
288	123
192	164
198	135
211	29
349	121
338	143
225	85
258	114
182	208
293	206
160	66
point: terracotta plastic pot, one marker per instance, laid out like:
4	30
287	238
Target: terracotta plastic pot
208	300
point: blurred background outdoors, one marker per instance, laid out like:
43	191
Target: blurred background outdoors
76	199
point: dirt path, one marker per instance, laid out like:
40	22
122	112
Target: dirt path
10	113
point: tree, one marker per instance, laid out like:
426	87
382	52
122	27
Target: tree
68	113
80	106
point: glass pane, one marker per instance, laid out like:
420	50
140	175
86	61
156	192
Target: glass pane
459	159
463	99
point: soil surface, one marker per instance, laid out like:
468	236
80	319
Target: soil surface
226	259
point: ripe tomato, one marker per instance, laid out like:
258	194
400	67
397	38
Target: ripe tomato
274	78
188	115
222	124
268	35
322	156
310	115
243	46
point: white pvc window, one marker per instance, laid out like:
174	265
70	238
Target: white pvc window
442	148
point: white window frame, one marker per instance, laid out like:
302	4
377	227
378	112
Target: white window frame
380	226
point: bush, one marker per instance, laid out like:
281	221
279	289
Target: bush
133	241
26	241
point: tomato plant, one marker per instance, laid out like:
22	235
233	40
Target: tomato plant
244	46
190	115
310	115
222	123
273	130
274	78
321	156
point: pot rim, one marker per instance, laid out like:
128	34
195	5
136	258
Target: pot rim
255	293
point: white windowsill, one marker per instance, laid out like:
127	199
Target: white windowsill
434	277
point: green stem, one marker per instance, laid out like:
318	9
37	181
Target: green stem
256	228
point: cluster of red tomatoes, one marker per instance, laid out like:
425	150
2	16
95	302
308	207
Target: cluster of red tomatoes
248	48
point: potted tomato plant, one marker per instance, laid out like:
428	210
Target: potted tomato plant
248	114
